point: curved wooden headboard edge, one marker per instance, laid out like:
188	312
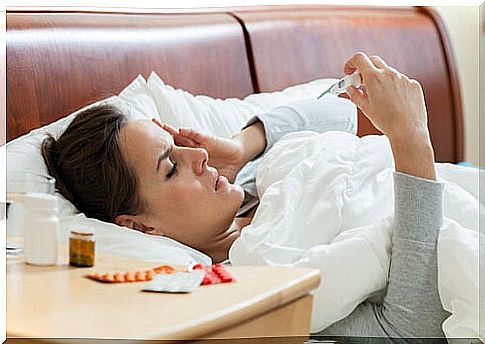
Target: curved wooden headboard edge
454	80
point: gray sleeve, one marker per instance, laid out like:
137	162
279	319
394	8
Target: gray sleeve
329	114
411	306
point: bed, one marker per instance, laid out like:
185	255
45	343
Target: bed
62	59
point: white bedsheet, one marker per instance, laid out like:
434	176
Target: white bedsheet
327	203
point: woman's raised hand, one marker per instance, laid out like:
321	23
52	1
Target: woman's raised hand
395	105
224	154
392	102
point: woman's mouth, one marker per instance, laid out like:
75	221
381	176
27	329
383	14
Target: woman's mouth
221	182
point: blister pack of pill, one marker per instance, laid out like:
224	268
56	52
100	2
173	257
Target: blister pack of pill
214	274
135	276
180	282
167	278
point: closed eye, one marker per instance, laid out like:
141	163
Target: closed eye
172	171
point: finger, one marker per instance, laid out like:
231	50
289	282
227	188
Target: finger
193	134
415	83
344	95
185	142
378	62
405	77
170	129
361	62
358	97
157	122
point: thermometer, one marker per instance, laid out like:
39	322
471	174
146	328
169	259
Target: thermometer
340	86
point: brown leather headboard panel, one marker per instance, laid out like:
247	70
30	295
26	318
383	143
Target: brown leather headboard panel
291	46
59	62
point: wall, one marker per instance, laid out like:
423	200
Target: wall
482	87
482	165
462	23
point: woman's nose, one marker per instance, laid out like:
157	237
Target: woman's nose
199	161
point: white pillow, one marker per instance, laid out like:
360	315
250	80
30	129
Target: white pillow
23	155
223	117
23	152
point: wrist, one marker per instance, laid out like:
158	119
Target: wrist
414	155
252	142
406	132
411	141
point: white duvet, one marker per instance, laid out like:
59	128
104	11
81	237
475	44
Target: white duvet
327	203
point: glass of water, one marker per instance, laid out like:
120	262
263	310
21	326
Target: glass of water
19	183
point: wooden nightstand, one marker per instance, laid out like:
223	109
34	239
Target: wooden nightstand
57	302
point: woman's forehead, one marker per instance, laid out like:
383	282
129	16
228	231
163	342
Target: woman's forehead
142	139
143	130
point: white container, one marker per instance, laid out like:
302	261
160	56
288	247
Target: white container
41	227
20	183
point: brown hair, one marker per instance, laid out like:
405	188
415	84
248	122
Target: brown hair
88	166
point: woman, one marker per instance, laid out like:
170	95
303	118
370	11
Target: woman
167	186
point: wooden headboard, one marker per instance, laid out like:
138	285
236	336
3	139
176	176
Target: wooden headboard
59	60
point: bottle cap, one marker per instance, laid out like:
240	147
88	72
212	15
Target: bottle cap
82	230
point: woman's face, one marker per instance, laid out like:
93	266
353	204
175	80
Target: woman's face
183	197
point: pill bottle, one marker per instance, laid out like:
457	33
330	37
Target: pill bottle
41	227
81	247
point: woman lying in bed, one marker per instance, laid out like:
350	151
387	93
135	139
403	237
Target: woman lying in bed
178	183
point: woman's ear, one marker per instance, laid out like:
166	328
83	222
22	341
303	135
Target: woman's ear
133	222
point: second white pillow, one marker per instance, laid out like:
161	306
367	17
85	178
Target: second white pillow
221	117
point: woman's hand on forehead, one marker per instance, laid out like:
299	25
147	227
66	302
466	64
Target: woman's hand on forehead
224	154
